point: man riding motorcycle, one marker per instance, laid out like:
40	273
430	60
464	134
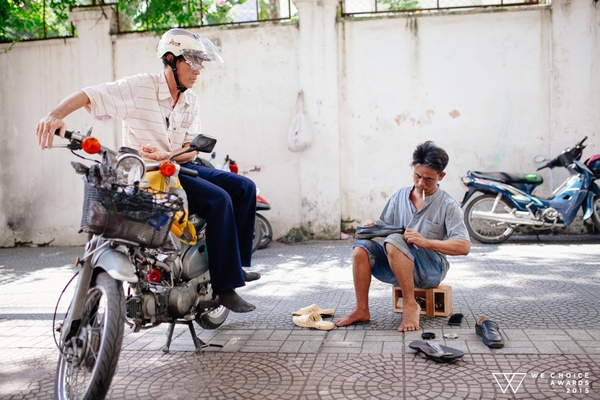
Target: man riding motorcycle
160	117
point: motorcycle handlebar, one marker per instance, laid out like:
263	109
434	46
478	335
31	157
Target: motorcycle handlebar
69	136
188	172
567	156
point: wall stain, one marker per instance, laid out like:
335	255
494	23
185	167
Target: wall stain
413	25
454	114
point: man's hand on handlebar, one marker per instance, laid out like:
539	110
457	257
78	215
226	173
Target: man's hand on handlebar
46	128
154	153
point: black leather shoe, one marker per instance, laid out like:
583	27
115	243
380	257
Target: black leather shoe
250	276
231	300
489	332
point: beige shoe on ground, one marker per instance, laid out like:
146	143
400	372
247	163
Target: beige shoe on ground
313	320
314	309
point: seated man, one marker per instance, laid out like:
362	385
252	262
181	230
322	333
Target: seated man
434	228
160	118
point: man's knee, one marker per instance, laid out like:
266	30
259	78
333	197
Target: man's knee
360	253
394	252
397	257
360	258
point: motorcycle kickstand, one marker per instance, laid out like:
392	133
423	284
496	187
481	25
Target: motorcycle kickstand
198	343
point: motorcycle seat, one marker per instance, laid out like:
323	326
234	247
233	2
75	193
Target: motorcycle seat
506	177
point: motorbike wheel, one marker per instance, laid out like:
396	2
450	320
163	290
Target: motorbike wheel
483	230
213	319
86	370
596	212
258	234
267	236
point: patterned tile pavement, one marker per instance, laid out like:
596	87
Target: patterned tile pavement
545	296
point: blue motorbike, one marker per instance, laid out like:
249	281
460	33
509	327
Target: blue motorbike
506	201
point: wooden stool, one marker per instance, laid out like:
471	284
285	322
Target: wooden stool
438	301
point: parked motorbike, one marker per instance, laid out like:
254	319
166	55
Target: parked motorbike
130	246
507	201
262	225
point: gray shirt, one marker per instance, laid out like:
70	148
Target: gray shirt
440	218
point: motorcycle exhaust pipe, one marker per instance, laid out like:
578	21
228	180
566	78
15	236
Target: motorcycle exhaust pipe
511	219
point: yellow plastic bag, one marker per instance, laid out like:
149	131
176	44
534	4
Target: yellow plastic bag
182	227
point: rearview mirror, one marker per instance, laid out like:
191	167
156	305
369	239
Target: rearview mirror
203	143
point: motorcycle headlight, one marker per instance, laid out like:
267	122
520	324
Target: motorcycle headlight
131	167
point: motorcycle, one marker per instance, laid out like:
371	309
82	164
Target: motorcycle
507	201
262	225
131	246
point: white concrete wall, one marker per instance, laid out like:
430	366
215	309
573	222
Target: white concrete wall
476	84
493	88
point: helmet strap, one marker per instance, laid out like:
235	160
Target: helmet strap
173	65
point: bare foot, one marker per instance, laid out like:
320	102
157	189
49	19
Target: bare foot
410	318
353	317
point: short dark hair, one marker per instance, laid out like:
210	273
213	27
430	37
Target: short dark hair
429	155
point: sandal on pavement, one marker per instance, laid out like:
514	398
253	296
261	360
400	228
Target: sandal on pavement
489	332
436	351
313	320
314	309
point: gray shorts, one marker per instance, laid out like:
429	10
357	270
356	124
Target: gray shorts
430	267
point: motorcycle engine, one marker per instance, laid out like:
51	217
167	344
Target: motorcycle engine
148	304
155	303
549	215
165	289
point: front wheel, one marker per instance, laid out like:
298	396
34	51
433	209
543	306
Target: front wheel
486	230
213	319
88	362
596	212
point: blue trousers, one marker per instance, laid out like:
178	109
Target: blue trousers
228	203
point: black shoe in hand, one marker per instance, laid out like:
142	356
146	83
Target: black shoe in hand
231	300
250	276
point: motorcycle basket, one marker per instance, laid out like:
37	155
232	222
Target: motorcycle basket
134	214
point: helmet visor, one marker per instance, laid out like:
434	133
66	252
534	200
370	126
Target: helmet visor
194	61
208	58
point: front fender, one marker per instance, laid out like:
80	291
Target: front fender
116	264
588	204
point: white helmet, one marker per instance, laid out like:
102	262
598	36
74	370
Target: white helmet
194	49
181	42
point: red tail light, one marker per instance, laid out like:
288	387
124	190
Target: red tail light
260	199
154	276
167	168
233	166
91	145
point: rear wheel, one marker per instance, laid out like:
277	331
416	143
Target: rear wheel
487	230
87	365
258	233
596	212
213	319
267	232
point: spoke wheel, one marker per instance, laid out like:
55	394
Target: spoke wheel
487	230
596	212
258	233
88	362
267	230
213	319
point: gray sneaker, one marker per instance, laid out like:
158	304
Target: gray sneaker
380	229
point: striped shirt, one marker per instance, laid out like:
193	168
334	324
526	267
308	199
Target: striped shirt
145	105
